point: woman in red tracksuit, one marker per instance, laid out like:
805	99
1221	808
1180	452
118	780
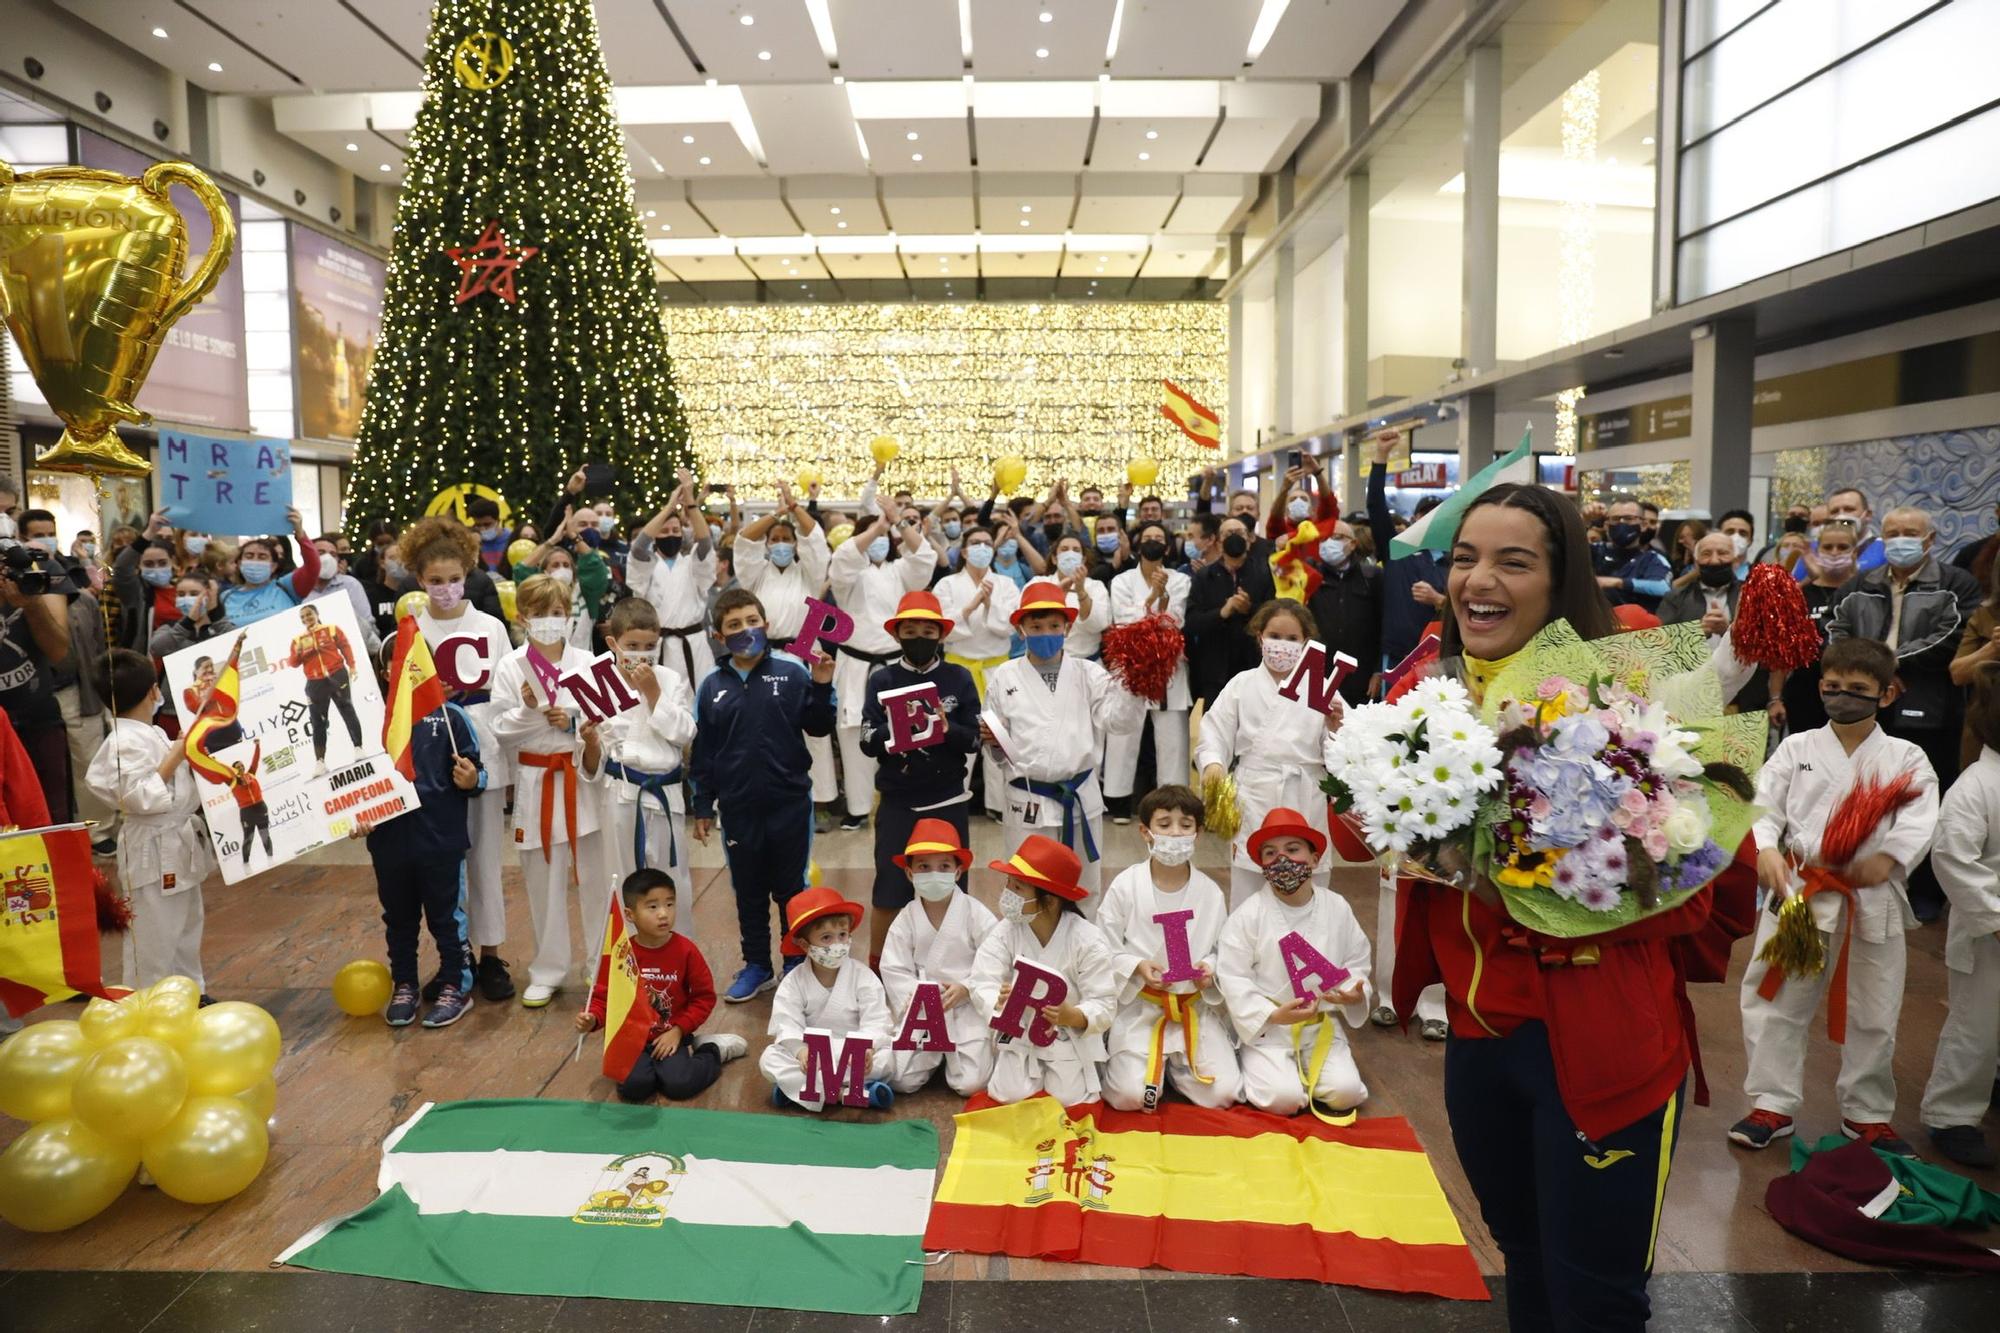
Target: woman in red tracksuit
1566	1064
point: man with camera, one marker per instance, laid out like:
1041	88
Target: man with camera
35	590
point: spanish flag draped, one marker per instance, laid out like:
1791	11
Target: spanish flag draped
48	918
627	1021
1200	1191
415	691
1198	423
218	710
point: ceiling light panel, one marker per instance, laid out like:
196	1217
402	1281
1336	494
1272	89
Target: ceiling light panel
815	199
639	47
933	110
929	204
1007	33
1134	203
191	45
1314	40
674	216
1184	39
325	45
1020	263
728	50
805	128
1262	124
1180	116
1102	264
1177	256
727	154
1033	126
772	268
725	267
897	39
1050	199
883	266
409	25
743	206
1212	203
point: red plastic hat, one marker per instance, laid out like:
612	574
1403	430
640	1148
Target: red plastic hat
1046	864
933	835
919	605
815	905
1042	595
1284	823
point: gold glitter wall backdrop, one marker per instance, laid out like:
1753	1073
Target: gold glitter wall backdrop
1074	388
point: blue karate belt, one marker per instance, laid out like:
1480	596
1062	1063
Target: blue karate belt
654	785
1070	792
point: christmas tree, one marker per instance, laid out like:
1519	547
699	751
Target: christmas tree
521	331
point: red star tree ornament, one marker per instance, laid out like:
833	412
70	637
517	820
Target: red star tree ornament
488	264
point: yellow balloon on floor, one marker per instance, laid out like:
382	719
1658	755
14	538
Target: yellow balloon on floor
261	1097
38	1067
234	1046
1143	471
812	875
186	987
105	1021
169	1015
60	1173
130	1088
362	987
1010	472
209	1152
883	449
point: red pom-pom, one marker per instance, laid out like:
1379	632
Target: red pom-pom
114	914
1143	654
1773	628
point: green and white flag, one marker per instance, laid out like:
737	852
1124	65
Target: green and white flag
560	1198
1438	530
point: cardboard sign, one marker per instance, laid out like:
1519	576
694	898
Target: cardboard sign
916	718
600	689
844	1074
463	662
1180	960
1319	677
824	621
1035	988
1310	970
230	488
923	1022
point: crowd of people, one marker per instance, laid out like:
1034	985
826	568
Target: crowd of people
755	730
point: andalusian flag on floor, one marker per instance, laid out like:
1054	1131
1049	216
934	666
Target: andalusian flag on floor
556	1198
1200	1191
48	918
1437	530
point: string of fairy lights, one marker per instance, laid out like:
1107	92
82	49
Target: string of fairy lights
1073	388
1576	228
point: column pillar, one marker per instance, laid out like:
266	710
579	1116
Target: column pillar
1479	259
1725	383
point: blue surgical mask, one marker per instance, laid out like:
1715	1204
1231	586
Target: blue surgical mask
1107	542
1299	509
1903	552
980	556
878	549
1333	551
1009	549
195	543
254	571
1191	548
746	642
607	524
187	606
1044	646
952	529
1068	562
157	575
781	554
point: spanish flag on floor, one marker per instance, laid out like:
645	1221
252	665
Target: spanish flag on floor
415	692
48	918
1200	1191
1198	423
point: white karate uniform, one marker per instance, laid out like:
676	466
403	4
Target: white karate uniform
652	740
917	951
1086	632
486	811
1052	736
856	1005
1126	918
163	851
1799	787
870	593
545	872
1252	976
979	642
1278	748
1066	1070
1129	594
1966	858
678	589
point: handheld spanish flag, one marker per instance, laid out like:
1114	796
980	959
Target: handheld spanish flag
627	1022
1198	423
48	918
415	691
218	710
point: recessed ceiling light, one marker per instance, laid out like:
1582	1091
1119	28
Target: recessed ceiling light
1048	17
841	225
161	33
763	55
1647	141
652	212
705	161
214	68
687	138
747	20
1145	157
711	83
1612	161
354	148
1027	208
1152	134
1041	53
666	226
911	136
916	157
1024	222
838	80
835	210
385	166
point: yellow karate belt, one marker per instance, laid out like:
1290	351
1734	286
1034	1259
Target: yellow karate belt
1174	1008
979	666
1322	1046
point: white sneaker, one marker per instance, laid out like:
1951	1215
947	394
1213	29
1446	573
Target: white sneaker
728	1045
537	997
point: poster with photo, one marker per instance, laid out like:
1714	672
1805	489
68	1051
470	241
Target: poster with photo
302	759
336	320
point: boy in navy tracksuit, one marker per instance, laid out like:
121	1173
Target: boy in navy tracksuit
420	867
752	714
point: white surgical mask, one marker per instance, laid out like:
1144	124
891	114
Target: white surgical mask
634	658
934	886
1333	551
1298	509
1068	562
1015	908
1739	543
7	528
548	629
1281	655
828	955
328	566
1173	849
195	543
563	575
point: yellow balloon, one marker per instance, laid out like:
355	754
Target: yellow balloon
813	880
105	1021
184	986
518	550
38	1067
169	1015
209	1152
505	588
130	1088
261	1098
1010	472
60	1173
362	987
234	1046
807	478
1143	471
411	602
883	449
838	534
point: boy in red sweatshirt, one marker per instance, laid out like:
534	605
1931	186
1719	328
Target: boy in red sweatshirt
673	979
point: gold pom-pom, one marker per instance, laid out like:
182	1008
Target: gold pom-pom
1796	950
1219	812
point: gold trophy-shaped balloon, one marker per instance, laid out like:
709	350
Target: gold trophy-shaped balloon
90	281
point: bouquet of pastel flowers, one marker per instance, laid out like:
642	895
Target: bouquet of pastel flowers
1595	783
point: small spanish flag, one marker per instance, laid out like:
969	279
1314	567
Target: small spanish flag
217	711
48	918
627	1021
1198	423
415	691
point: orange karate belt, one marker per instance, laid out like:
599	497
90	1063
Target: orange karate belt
1174	1008
557	765
1818	879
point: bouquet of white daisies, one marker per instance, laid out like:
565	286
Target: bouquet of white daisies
1413	772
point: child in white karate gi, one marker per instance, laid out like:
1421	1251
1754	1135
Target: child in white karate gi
832	991
645	796
935	939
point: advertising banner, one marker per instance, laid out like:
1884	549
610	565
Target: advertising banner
336	320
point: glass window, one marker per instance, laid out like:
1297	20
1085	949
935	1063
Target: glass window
1416	223
305	496
1778	48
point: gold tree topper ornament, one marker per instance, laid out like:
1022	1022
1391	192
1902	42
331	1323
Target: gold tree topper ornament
483	60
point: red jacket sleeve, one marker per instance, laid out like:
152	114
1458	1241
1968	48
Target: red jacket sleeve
700	986
306	577
346	648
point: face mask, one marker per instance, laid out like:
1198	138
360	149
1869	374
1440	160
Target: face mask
781	553
634	657
1842	706
1107	542
878	550
1042	647
1068	562
395	569
1738	544
934	886
607	524
830	956
87	551
548	629
1191	549
488	536
953	529
979	557
1173	849
1796	523
1285	875
563	574
1298	510
187	606
254	571
1813	530
1281	655
1234	545
1717	576
592	538
328	567
1333	551
669	546
1836	564
920	651
1009	549
446	596
1903	552
1051	532
1624	534
746	642
1154	549
7	528
157	575
1015	908
195	544
46	543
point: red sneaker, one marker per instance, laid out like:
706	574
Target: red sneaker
1757	1129
1878	1135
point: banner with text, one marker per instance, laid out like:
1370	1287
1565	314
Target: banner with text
227	488
336	319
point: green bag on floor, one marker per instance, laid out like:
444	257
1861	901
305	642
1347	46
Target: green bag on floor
1930	1196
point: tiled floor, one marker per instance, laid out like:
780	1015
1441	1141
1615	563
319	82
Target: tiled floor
152	1263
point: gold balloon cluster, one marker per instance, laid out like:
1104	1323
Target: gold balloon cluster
151	1079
